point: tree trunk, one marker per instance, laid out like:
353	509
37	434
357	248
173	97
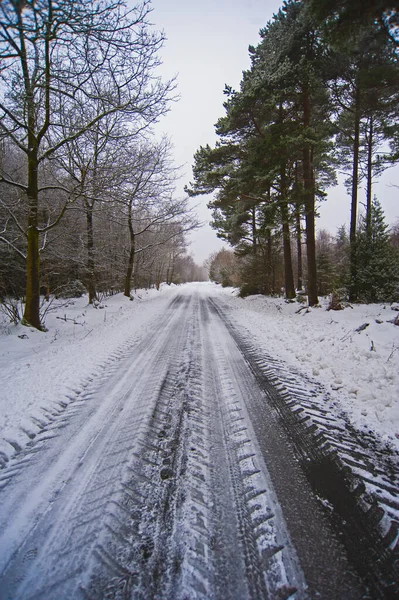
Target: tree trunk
355	183
269	254
90	254
254	232
269	261
171	271
298	232
158	279
129	272
309	203
32	300
369	176
299	250
288	271
130	266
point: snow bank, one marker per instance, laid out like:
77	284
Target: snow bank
38	370
354	353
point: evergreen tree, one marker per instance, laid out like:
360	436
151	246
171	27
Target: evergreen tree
342	259
327	276
274	158
344	17
364	86
275	143
377	273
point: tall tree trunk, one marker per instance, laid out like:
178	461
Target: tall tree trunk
309	204
158	277
269	263
355	183
288	271
132	253
269	253
298	231
90	254
370	141
299	247
171	270
254	231
32	300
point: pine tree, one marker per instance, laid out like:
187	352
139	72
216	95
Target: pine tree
275	144
292	61
327	276
365	91
344	17
342	260
377	273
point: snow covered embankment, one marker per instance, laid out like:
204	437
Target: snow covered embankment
357	363
42	372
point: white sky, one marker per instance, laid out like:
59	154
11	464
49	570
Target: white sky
206	47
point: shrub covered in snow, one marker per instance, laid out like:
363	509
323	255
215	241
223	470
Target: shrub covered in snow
72	289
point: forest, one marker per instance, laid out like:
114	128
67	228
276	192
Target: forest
320	100
87	191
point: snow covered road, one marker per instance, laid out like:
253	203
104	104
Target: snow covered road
175	474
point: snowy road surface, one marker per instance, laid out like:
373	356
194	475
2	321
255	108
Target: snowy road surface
174	475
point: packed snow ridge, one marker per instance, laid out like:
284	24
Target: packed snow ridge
353	353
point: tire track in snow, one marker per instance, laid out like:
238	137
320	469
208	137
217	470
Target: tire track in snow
81	463
193	521
67	405
139	555
361	496
271	567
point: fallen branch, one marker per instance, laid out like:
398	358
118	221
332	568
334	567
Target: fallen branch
65	318
362	327
394	349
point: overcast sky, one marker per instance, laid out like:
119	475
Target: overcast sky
206	47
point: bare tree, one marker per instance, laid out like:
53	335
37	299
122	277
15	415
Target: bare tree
153	215
93	162
54	57
187	270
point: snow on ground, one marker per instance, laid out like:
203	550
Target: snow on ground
359	368
39	369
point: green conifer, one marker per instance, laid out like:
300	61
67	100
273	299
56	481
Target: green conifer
377	277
